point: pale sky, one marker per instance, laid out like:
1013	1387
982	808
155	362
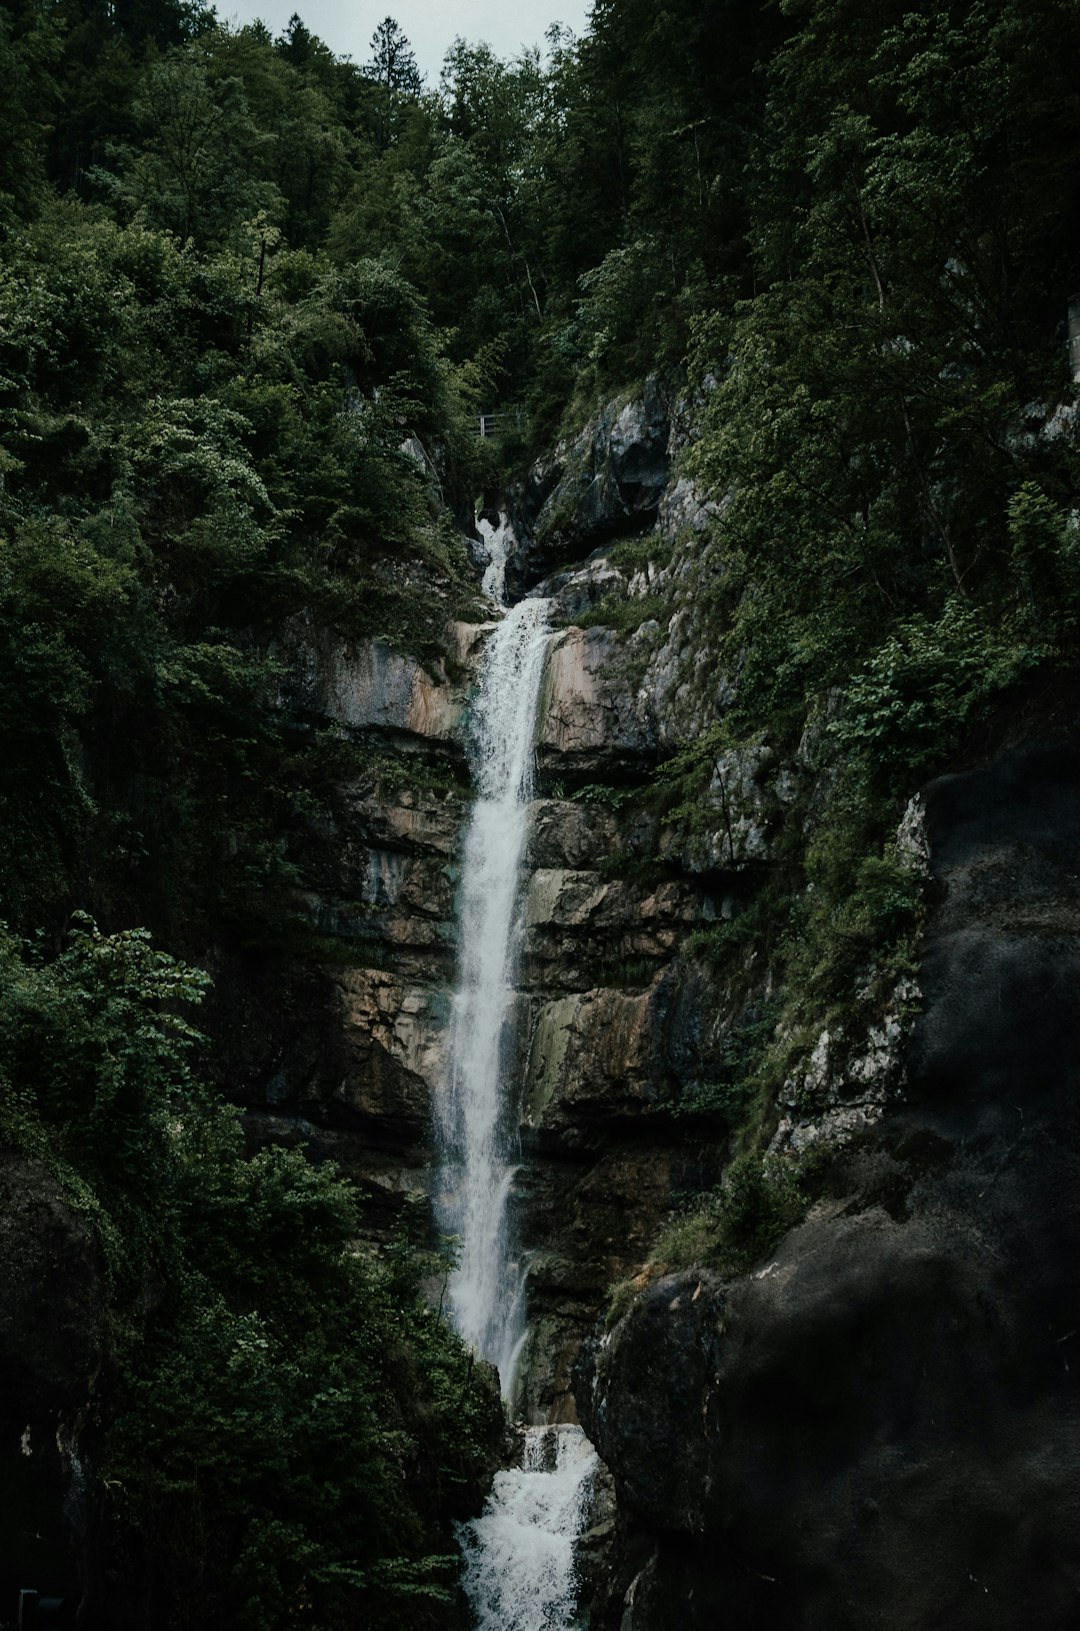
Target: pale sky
431	25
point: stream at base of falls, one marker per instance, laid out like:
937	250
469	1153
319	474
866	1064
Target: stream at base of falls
520	1567
520	1572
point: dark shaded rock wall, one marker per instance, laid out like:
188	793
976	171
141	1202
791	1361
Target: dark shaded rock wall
52	1349
879	1426
606	482
876	1428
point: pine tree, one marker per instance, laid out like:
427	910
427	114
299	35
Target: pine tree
393	62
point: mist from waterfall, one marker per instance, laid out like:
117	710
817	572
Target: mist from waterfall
520	1566
477	1119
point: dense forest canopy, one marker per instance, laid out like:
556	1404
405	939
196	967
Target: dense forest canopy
252	301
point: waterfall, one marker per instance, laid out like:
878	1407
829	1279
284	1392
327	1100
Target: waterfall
519	1555
520	1570
477	1125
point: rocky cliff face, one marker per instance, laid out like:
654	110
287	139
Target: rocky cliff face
607	482
614	1025
347	1051
348	1056
875	1424
878	1424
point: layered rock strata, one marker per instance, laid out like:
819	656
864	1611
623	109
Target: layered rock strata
610	1028
875	1425
348	1055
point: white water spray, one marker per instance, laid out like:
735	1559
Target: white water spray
498	541
477	1130
520	1572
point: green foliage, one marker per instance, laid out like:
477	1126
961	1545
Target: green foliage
893	550
638	554
253	298
194	171
94	1062
1044	550
628	973
862	915
641	868
624	614
863	425
920	687
755	923
613	798
741	1221
196	446
732	1096
292	1421
630	286
27	57
685	775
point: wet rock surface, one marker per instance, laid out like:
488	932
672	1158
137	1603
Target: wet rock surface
350	1057
876	1428
334	1038
879	1424
577	924
367	685
588	1221
341	1050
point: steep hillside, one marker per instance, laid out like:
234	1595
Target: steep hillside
771	319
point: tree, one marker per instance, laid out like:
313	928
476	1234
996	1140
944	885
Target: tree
297	42
393	62
197	171
284	1423
393	69
165	22
27	56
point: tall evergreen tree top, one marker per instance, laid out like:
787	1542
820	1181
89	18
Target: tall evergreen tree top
393	61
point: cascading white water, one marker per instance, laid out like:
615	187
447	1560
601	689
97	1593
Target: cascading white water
498	540
476	1124
519	1556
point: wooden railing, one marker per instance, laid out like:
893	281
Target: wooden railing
499	422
